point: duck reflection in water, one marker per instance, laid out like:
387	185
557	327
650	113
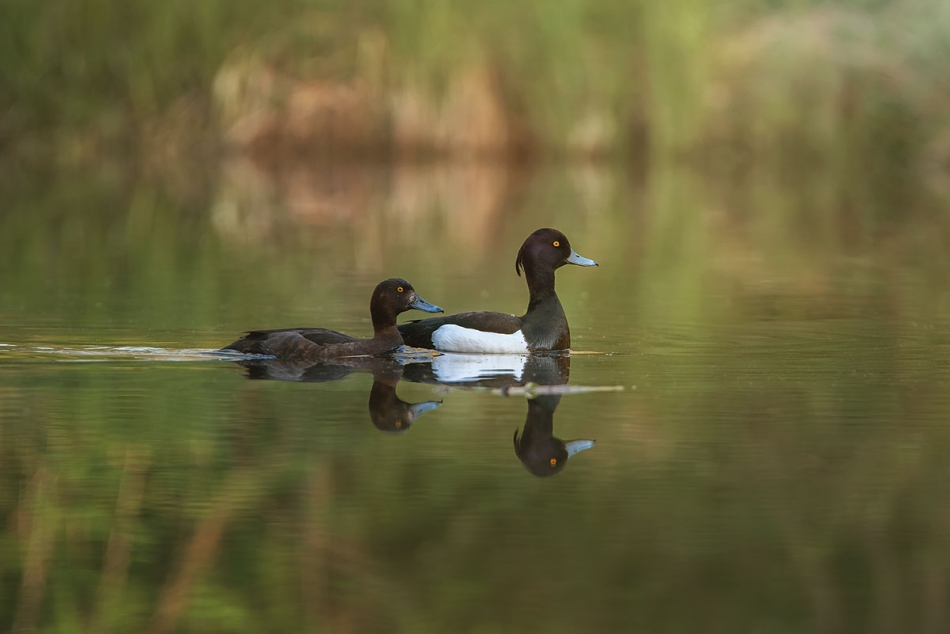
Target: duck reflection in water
388	412
539	450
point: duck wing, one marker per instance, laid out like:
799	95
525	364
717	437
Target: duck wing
418	333
265	341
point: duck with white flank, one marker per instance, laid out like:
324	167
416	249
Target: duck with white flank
542	328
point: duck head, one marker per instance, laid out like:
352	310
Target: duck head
547	249
395	296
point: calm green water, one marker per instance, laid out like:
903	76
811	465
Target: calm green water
777	461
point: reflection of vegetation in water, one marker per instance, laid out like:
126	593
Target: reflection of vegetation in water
113	256
782	458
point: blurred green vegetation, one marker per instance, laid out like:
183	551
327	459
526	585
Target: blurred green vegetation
748	82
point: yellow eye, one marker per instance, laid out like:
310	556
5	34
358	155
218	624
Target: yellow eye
553	462
399	289
556	243
398	424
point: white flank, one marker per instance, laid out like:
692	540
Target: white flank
459	368
452	338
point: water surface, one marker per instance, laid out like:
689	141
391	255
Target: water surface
776	461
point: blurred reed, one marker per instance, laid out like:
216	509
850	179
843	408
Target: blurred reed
860	84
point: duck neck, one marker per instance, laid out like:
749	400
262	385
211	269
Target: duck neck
384	326
539	423
540	285
386	333
382	396
545	324
538	428
384	321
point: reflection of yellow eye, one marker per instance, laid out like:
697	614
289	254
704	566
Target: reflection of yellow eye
553	462
556	243
398	424
399	289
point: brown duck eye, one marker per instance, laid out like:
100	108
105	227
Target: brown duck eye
398	424
399	289
556	243
553	462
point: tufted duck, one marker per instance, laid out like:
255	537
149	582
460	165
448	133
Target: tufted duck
543	327
391	297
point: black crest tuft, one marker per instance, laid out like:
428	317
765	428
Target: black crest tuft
519	262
